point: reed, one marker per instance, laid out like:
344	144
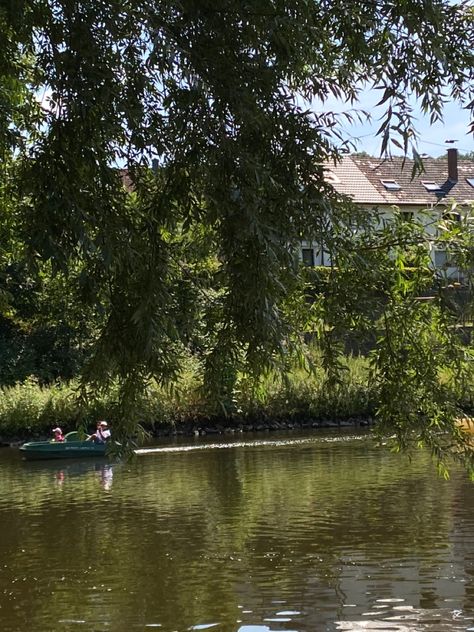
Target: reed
32	410
29	408
303	394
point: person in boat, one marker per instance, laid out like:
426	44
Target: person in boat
102	433
58	435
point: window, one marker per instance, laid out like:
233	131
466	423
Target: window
430	185
441	258
452	217
407	216
391	185
307	256
331	177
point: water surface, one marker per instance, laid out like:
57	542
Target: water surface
300	533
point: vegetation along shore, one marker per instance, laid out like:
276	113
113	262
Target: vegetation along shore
302	400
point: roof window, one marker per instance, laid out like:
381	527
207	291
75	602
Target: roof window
391	185
431	185
331	177
470	181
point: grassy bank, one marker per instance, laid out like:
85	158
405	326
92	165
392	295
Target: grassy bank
30	410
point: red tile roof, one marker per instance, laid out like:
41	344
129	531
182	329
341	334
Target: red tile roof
361	178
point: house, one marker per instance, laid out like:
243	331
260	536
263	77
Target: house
382	184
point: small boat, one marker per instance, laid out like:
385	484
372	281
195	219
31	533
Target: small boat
71	448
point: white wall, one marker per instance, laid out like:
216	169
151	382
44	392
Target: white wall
310	253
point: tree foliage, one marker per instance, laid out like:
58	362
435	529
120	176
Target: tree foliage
228	98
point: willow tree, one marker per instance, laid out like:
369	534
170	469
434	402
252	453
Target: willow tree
226	100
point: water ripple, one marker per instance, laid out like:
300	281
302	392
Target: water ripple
308	533
251	444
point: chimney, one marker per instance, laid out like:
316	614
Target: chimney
453	164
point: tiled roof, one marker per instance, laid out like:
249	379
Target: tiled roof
361	178
347	178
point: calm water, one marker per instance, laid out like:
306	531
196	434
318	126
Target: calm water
282	534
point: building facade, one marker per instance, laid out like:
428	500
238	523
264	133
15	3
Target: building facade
388	184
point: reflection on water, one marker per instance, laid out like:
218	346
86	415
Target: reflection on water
303	534
62	471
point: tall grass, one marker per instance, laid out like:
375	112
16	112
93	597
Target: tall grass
300	394
31	410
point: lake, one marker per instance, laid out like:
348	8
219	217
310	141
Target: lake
244	534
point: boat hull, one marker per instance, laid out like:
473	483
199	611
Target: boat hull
63	450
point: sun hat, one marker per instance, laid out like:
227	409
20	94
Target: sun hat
102	423
57	429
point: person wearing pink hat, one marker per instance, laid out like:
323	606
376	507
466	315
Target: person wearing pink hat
58	435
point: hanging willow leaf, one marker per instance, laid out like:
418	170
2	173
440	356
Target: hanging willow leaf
197	254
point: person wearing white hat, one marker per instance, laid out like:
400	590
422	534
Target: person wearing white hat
102	433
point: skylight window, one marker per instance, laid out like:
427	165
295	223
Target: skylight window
331	177
431	185
391	185
470	181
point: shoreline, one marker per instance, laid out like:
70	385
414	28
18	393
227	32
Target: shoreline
208	427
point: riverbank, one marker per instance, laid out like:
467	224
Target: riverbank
209	427
297	400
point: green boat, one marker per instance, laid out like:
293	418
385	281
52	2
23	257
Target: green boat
71	448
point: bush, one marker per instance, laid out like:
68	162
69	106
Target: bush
32	410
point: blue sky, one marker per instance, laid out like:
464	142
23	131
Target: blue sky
431	137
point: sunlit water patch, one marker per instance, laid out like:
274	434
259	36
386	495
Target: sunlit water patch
406	618
254	443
